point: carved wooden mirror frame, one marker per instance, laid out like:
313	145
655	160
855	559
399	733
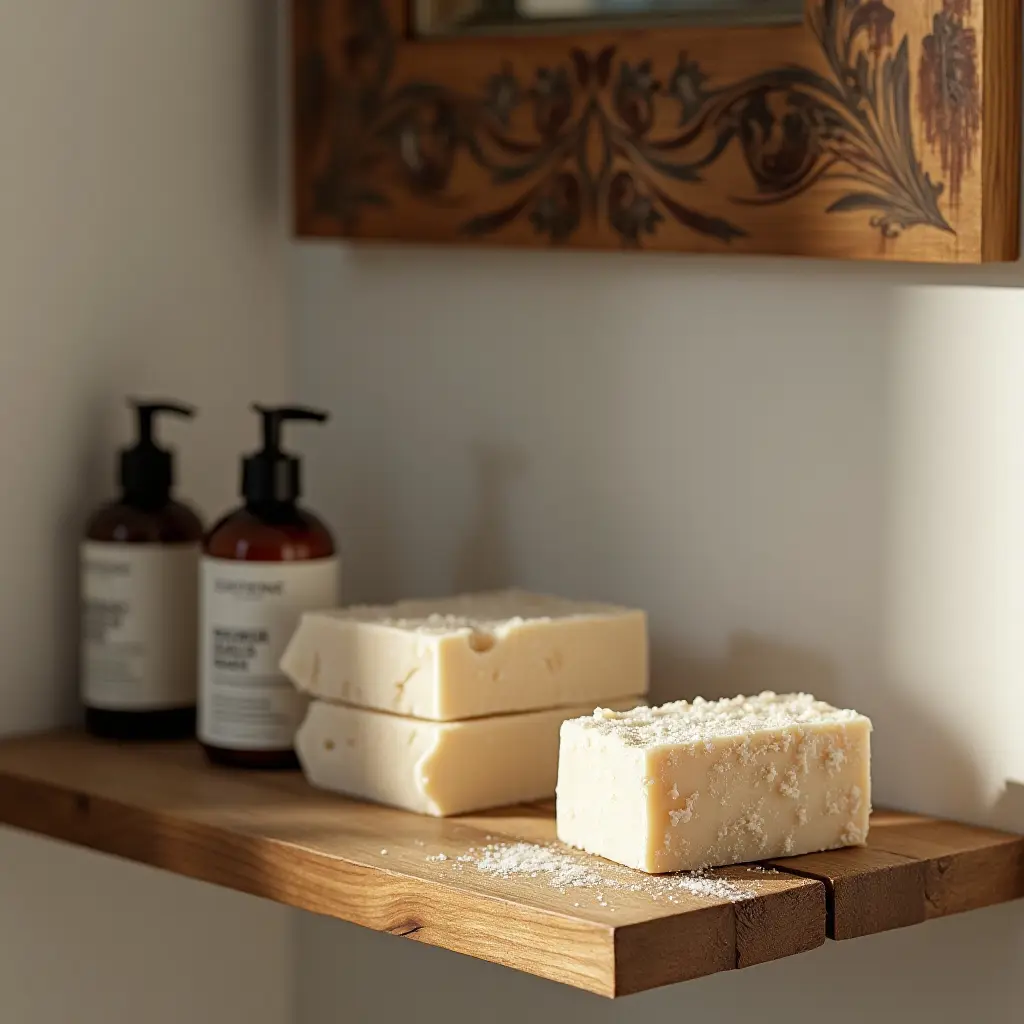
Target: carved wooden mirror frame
877	129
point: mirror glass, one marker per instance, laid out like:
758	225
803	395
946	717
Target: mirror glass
438	17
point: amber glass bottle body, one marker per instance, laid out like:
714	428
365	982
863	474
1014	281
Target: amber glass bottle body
271	532
170	523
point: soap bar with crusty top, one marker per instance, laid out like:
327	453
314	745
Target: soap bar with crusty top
472	655
692	785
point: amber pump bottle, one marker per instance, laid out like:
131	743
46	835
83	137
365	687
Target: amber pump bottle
139	579
263	565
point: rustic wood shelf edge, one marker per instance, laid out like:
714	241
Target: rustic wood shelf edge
273	836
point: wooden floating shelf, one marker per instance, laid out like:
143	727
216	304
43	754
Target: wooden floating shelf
912	870
273	836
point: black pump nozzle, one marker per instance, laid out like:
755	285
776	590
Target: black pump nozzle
271	474
147	470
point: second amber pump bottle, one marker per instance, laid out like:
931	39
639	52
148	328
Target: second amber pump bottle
263	565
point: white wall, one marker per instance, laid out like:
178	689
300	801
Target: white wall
140	251
812	475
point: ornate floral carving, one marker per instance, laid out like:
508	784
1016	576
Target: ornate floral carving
594	148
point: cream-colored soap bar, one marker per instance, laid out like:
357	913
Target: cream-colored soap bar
686	786
438	768
473	655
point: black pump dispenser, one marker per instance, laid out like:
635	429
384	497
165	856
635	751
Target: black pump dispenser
272	475
147	470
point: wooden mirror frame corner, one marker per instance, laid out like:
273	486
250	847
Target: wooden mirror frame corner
876	129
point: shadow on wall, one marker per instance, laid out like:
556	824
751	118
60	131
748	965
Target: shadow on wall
88	947
751	663
906	727
485	561
348	973
95	463
773	467
1009	812
370	545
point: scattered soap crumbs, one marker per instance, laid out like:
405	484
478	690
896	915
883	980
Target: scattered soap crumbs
383	853
567	869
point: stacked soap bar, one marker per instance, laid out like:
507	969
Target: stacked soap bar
454	705
709	783
438	768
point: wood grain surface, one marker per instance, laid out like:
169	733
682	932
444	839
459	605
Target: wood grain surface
272	835
913	869
874	129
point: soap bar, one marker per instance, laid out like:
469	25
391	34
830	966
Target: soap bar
437	768
472	655
686	786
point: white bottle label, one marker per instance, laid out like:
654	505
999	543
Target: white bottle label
248	612
138	625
